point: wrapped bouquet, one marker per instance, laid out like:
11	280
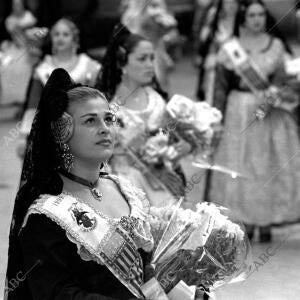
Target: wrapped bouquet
207	248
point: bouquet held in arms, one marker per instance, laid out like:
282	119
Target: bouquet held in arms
256	80
200	125
206	249
150	152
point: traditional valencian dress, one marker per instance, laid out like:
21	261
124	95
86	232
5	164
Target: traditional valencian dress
265	151
85	72
76	252
161	185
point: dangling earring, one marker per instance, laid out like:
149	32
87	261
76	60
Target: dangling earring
67	157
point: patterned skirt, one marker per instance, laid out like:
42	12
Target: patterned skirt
267	153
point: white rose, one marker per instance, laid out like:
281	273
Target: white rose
181	107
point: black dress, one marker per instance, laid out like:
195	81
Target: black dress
56	271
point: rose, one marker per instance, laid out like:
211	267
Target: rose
155	148
181	108
206	116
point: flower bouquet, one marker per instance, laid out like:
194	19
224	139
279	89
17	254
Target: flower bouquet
200	125
207	248
150	149
151	153
194	122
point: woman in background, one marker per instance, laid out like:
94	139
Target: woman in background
65	44
128	80
265	151
152	20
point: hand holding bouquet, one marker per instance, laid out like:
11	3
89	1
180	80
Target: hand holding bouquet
272	98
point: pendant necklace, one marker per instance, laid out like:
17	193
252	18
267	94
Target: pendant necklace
91	185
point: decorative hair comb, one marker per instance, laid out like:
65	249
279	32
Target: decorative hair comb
62	129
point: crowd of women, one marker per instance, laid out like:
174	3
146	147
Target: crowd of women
81	125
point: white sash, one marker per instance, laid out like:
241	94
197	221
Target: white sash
106	241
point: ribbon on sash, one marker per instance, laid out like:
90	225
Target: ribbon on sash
106	241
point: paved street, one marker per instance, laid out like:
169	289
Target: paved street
276	267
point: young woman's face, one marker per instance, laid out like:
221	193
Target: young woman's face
94	130
62	37
255	18
140	65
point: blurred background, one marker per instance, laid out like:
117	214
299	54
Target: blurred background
96	18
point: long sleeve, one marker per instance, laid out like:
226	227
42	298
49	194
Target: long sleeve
222	87
59	273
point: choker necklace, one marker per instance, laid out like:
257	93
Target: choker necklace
92	186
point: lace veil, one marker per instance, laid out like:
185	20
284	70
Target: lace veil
39	174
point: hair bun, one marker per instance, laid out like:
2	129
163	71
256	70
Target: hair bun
54	98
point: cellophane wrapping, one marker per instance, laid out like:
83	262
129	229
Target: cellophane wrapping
206	248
